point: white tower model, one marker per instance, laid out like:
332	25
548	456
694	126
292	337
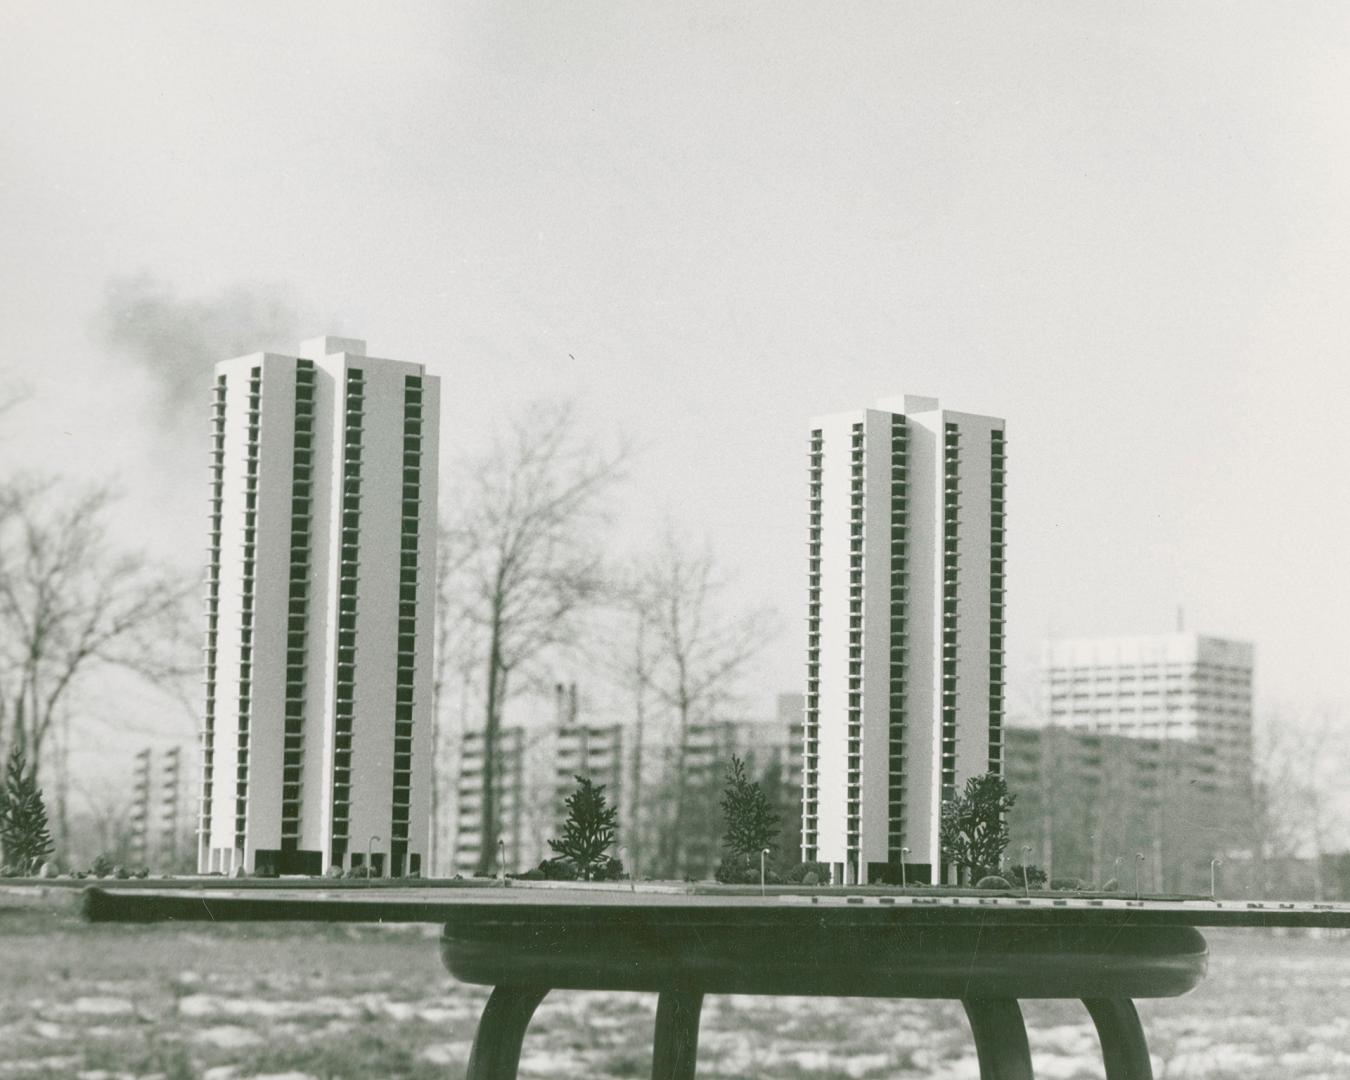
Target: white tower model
320	613
904	694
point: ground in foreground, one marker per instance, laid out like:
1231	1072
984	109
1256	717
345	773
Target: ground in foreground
237	1001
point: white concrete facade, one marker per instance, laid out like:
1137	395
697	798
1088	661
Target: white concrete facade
321	612
905	620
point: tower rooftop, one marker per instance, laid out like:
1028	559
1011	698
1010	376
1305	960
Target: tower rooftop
319	347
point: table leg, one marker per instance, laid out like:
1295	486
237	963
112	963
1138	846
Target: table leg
1000	1038
1124	1049
675	1051
496	1044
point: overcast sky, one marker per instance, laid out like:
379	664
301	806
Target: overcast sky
1125	228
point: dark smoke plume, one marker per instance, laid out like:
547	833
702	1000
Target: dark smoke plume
177	339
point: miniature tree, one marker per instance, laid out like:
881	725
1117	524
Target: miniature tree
24	836
589	830
751	822
974	829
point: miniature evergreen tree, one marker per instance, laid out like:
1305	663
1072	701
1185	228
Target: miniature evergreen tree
974	829
24	836
752	824
589	829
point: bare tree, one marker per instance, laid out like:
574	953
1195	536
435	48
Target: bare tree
69	605
1299	759
695	655
528	538
624	651
458	658
103	826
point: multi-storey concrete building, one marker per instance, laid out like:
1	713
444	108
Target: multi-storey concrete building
594	751
536	769
512	789
1168	686
1088	802
791	726
1184	687
904	695
320	612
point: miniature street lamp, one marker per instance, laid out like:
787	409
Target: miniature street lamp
761	870
632	870
1026	866
1138	865
903	852
1212	890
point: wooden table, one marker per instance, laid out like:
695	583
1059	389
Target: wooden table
986	952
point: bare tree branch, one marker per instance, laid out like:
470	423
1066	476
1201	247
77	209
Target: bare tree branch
70	604
1298	783
692	658
528	562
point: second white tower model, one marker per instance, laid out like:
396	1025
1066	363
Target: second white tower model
316	738
905	620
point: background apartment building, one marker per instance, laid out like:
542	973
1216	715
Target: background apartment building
320	612
536	770
905	621
1088	803
1179	687
511	800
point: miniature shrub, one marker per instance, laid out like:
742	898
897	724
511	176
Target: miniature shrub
751	823
24	836
560	868
993	881
589	829
798	874
1021	876
1067	884
744	870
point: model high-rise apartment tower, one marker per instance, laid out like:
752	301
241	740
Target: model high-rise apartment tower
320	608
904	693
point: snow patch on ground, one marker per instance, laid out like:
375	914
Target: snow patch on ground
203	1005
448	1014
547	1063
228	1036
65	1064
450	1053
283	1076
1217	1059
962	1068
102	1006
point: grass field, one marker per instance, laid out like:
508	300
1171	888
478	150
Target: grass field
238	1001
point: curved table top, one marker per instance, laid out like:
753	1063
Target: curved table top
531	904
836	945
